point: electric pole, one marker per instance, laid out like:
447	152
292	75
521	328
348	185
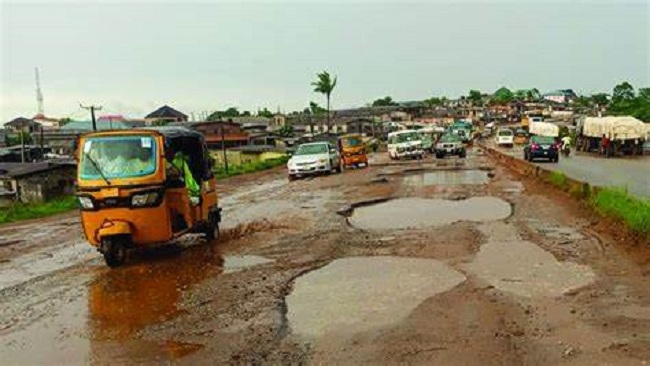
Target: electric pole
22	141
223	147
92	109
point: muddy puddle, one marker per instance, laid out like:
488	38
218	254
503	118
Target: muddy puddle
448	178
101	320
413	212
523	268
356	294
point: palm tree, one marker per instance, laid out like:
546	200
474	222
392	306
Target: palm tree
325	85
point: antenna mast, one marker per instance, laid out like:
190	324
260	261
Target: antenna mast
39	93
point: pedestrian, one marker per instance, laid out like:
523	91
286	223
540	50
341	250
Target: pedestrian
605	145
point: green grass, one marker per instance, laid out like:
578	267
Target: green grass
255	166
616	202
557	179
21	211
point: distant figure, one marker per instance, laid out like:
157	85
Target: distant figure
605	143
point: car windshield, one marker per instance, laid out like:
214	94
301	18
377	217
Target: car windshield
505	133
544	140
311	149
118	157
521	133
351	142
449	138
407	136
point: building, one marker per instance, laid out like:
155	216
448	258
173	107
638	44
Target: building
26	124
61	141
364	126
233	134
36	182
560	96
3	137
165	114
46	122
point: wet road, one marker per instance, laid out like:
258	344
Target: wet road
434	262
632	173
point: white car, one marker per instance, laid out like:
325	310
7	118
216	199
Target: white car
505	137
405	144
314	158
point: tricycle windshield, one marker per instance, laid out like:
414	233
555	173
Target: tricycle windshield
117	157
351	141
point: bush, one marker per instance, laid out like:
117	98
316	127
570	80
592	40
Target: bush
557	179
616	202
21	211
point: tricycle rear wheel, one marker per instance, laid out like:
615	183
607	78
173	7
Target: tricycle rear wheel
211	229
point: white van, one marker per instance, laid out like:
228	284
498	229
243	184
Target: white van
405	144
505	137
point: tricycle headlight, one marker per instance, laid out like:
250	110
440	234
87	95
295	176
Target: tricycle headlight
86	203
140	200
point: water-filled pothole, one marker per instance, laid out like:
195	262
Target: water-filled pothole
352	295
413	212
448	178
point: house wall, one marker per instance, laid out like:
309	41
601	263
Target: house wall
41	187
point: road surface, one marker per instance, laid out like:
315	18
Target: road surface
633	173
433	262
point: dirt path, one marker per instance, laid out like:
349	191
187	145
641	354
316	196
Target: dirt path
434	262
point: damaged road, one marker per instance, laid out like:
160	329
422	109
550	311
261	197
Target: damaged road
433	262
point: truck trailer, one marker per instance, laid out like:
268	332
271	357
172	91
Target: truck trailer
626	135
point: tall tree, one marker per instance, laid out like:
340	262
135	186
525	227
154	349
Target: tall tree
623	92
325	85
475	97
503	95
383	102
265	113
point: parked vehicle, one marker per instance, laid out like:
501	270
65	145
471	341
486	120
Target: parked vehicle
521	136
505	137
314	158
450	144
138	188
542	147
353	150
405	144
626	134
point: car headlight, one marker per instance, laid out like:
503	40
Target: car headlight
86	203
322	161
144	199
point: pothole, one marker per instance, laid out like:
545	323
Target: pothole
521	267
413	212
448	178
353	295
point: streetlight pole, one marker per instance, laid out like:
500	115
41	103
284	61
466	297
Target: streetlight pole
223	147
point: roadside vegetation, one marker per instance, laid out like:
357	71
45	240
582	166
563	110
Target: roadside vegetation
616	202
251	167
558	179
21	211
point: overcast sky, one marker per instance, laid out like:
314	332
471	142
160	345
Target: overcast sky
132	58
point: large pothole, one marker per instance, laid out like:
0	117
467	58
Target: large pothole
448	178
356	294
414	212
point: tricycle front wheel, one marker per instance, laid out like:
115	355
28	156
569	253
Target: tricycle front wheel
114	250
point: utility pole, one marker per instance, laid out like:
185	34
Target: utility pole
92	109
223	147
22	141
